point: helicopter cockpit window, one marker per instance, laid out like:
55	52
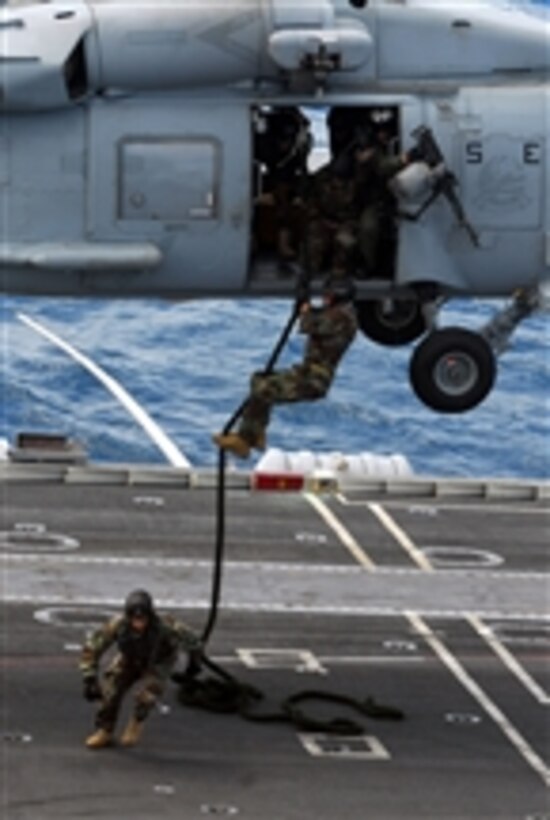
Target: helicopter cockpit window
168	180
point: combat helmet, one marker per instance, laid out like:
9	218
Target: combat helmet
139	603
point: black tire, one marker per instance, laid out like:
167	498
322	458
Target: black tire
399	324
453	370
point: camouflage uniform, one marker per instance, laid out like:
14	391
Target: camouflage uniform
332	213
148	658
330	331
375	202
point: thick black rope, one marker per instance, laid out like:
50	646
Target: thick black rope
227	695
220	492
223	693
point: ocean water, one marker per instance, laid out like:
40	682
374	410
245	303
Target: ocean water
188	365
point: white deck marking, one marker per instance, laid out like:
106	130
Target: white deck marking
70	559
35	538
170	450
201	604
472	687
416	555
300	660
341	660
486	633
487	506
173	563
275	587
356	747
462	558
361	660
345	537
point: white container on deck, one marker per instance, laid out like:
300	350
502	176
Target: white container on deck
279	469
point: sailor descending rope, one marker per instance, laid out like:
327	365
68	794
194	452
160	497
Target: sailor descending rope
330	330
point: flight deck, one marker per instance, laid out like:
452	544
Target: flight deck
435	603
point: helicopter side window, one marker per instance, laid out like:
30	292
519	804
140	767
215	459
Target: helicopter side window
76	73
168	180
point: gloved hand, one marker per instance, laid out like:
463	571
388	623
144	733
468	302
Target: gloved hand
92	689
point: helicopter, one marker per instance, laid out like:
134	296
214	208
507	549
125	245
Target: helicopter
131	166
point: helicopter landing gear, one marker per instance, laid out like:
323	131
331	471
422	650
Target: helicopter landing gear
391	322
453	370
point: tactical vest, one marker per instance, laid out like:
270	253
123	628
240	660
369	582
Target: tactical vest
140	649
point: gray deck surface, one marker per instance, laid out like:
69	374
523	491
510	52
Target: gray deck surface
438	607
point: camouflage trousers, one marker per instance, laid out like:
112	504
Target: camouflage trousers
117	681
303	382
329	246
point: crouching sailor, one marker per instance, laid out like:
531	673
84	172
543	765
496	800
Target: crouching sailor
148	645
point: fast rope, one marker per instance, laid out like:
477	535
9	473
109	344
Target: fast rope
224	693
220	490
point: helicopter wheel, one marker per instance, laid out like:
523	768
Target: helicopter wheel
453	370
391	322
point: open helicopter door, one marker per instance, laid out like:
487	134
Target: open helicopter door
423	253
174	173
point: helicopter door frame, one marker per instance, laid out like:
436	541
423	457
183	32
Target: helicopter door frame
422	248
265	266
